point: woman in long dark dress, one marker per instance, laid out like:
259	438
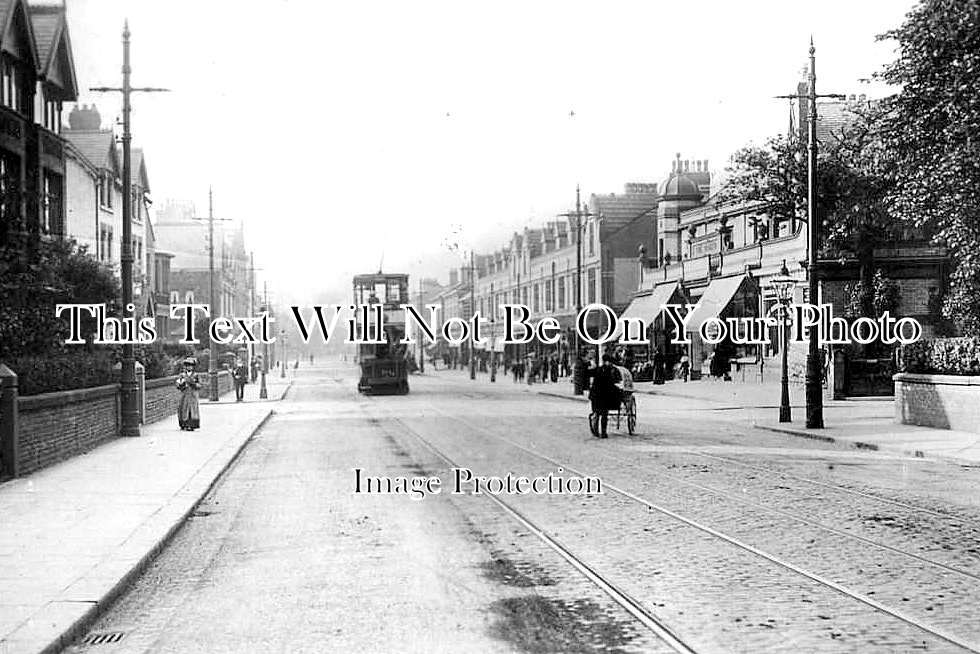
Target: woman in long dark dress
188	411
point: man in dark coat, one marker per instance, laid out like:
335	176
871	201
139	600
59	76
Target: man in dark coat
603	391
240	376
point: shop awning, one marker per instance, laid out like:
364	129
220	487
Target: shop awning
716	298
647	307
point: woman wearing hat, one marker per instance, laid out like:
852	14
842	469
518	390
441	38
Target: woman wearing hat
188	411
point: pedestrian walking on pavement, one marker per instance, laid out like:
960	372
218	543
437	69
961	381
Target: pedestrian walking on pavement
188	410
603	392
554	370
240	375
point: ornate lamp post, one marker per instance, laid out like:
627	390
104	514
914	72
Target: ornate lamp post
783	286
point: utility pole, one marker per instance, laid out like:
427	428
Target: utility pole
129	390
814	363
250	348
263	391
421	345
473	309
282	364
493	337
578	375
215	306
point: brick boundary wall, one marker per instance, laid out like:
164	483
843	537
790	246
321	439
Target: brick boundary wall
942	401
162	396
57	426
53	427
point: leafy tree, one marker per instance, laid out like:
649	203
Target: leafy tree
931	136
851	188
30	287
774	174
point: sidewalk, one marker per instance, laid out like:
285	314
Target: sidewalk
73	535
866	423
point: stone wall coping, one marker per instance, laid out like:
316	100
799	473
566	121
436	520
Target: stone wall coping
160	381
169	381
61	398
947	380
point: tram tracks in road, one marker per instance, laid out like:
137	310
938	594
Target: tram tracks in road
728	496
825	484
822	580
630	605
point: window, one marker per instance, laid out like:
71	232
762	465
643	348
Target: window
51	204
105	190
9	190
14	87
561	292
592	285
536	306
591	238
49	111
547	296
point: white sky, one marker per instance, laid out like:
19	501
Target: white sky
324	126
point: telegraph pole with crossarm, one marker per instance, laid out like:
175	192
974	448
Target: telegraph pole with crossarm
814	363
129	391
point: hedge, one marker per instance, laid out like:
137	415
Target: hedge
73	369
62	372
942	356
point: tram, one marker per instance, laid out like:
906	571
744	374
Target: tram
384	367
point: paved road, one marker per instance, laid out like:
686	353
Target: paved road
707	533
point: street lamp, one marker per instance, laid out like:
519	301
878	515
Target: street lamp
783	286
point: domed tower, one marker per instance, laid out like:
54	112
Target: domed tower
680	193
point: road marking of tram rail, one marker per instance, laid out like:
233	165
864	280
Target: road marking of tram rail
843	590
739	500
633	607
817	482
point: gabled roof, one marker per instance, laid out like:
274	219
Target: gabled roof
621	209
99	147
137	170
11	10
55	62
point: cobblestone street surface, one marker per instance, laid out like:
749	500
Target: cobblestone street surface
708	536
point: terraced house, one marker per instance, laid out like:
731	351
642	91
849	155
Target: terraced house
37	75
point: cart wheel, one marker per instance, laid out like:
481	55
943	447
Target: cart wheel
594	423
631	416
